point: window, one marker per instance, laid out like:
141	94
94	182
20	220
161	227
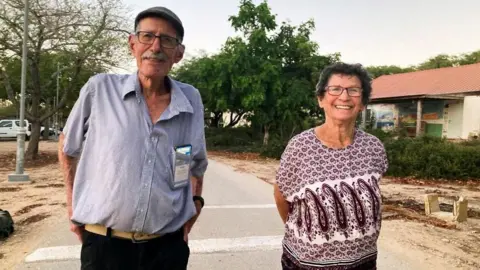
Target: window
18	123
6	124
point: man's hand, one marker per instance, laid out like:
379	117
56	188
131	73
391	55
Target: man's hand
189	224
78	230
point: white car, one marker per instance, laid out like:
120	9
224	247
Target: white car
9	128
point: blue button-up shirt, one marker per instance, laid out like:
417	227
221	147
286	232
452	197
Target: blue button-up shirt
125	160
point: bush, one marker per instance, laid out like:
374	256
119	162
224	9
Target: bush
430	157
242	139
423	157
274	149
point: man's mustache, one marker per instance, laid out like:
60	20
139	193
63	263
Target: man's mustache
156	56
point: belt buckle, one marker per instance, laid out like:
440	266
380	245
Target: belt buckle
137	241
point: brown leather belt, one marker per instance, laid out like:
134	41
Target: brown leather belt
135	237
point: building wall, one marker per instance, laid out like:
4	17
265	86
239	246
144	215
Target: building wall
471	116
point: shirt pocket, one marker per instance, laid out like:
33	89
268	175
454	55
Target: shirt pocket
180	165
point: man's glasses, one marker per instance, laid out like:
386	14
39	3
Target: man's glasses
148	38
338	90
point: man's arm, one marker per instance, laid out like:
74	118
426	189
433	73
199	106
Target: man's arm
68	166
70	145
199	164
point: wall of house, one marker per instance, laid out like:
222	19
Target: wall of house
471	117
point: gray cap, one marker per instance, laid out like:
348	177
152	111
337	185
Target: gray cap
162	12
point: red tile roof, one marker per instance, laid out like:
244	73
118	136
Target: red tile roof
441	81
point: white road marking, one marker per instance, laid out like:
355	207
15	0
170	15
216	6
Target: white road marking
212	245
245	206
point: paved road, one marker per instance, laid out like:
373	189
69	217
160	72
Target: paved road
238	229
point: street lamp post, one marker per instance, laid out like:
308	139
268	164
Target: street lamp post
56	102
19	175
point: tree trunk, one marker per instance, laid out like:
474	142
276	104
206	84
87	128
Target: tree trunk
266	134
32	149
215	120
46	130
235	120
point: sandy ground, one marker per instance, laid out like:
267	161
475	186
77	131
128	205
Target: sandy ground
33	206
37	206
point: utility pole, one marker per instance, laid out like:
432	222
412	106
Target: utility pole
19	175
56	102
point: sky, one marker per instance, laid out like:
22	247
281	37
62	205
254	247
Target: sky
370	32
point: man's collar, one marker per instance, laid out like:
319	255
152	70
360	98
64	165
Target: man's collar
178	99
179	102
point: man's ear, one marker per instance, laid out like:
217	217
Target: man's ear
131	42
180	52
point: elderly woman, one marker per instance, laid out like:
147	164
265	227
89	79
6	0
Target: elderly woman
327	190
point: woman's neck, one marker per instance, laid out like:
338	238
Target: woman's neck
336	135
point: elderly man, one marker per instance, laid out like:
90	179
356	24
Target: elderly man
133	156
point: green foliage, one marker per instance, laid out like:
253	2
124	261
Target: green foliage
431	157
83	37
423	157
8	112
241	139
377	71
274	149
268	72
439	61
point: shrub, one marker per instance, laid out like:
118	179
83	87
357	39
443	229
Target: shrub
242	139
430	157
274	149
422	157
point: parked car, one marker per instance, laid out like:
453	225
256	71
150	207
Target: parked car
9	128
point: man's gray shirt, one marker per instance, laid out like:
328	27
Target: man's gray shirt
126	161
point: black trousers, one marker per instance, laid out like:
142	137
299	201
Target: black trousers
109	253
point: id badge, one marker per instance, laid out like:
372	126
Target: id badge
182	156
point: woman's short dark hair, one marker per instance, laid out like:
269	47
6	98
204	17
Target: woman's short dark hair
346	69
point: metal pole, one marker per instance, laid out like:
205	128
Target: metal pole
19	175
56	102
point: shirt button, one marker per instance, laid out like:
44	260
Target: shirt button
149	161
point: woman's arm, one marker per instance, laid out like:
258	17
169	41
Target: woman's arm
282	204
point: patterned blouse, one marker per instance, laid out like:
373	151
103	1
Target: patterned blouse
334	217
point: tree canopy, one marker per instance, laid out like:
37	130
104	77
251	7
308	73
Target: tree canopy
81	37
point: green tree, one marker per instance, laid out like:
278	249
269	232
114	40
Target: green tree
204	72
377	71
83	36
469	58
278	65
439	61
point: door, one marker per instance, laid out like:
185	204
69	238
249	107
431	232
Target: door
6	129
455	121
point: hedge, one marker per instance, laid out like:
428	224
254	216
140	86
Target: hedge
422	157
